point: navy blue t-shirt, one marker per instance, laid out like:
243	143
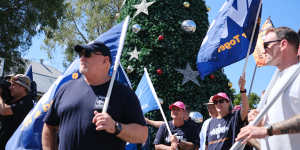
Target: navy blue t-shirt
187	132
222	132
72	111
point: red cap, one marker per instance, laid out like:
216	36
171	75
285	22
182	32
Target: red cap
221	95
178	104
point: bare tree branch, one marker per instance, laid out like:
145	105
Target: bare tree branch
77	29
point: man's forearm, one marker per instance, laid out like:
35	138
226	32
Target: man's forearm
133	133
289	126
245	106
5	109
186	145
153	123
49	137
162	147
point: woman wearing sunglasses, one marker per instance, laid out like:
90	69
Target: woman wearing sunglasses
223	129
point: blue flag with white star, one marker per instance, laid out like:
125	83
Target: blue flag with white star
228	37
29	133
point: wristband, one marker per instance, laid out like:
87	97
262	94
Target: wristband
270	130
243	91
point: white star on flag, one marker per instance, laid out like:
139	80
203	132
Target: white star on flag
142	7
189	74
134	54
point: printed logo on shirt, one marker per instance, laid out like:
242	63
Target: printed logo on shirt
178	136
99	103
219	130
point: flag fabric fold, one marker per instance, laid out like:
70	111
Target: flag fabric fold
259	52
33	85
228	37
28	135
146	95
28	72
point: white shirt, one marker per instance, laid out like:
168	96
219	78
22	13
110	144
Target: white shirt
286	106
202	134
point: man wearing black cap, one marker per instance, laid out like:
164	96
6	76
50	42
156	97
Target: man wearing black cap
76	108
14	111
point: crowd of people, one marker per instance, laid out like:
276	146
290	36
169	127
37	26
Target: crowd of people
75	120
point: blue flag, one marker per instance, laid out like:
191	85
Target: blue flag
29	133
33	85
228	37
146	95
28	72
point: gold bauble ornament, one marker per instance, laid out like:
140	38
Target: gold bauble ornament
186	4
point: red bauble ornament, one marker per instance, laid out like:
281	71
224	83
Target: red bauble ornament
159	71
160	37
211	76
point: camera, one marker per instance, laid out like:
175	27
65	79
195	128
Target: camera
4	85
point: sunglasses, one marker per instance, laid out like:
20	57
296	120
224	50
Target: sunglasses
88	54
266	44
221	101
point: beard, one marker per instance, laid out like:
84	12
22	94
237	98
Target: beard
272	61
83	68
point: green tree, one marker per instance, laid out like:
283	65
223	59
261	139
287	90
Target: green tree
252	98
84	21
163	57
177	49
20	21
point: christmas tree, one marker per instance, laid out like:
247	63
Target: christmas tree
164	36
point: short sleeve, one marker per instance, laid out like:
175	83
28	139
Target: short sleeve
160	135
133	109
52	117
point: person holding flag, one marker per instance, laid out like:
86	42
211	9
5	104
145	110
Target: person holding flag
281	46
184	134
76	109
223	129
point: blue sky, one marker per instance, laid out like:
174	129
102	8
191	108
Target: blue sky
282	13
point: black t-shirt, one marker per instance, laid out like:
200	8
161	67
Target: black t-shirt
197	128
187	132
72	111
8	124
222	132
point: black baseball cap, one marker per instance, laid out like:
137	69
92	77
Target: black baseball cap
94	47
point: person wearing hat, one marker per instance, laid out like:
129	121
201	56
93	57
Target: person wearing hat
77	105
223	129
14	111
184	135
213	114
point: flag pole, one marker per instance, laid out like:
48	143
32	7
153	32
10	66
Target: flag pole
238	145
252	80
252	36
116	65
157	101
